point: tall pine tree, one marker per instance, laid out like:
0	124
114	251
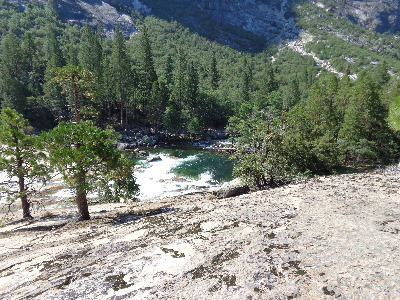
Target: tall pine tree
121	75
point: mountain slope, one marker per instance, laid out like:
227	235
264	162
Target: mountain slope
248	25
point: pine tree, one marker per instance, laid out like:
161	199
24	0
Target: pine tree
365	135
121	75
157	103
78	83
179	91
147	71
192	92
292	94
12	70
169	72
342	97
20	158
247	78
320	115
90	51
34	65
106	92
215	76
381	74
54	100
270	83
88	159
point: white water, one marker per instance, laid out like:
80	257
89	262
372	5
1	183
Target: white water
156	180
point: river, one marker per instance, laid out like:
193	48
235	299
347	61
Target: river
181	171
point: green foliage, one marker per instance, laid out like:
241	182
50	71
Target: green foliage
78	84
121	76
89	161
12	73
90	51
345	44
173	119
262	155
365	134
394	119
21	159
339	124
194	127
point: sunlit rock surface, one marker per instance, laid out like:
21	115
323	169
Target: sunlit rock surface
329	237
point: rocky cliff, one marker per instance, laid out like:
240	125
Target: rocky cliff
246	25
381	16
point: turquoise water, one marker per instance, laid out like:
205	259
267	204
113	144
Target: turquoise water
196	162
181	171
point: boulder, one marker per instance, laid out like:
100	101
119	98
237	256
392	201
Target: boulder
232	191
153	158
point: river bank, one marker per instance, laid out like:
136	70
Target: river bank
328	237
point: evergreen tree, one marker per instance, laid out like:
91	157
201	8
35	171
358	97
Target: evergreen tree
320	115
215	76
381	74
262	157
147	71
247	78
365	135
54	100
157	103
34	65
147	61
269	83
342	98
90	51
192	88
53	53
12	72
106	92
20	158
169	72
179	91
70	44
292	95
121	75
78	84
88	159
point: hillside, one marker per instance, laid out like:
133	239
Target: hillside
347	35
327	237
247	25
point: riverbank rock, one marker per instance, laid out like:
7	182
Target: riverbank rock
232	191
141	153
153	158
328	237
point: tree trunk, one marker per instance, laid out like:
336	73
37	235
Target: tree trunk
122	114
24	198
22	190
76	104
83	208
80	199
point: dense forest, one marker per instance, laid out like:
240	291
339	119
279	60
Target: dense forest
286	115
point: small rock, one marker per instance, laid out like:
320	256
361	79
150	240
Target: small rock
153	158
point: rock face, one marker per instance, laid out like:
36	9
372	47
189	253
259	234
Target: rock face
247	25
381	16
328	237
109	12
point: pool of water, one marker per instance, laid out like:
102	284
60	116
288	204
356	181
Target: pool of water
181	171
